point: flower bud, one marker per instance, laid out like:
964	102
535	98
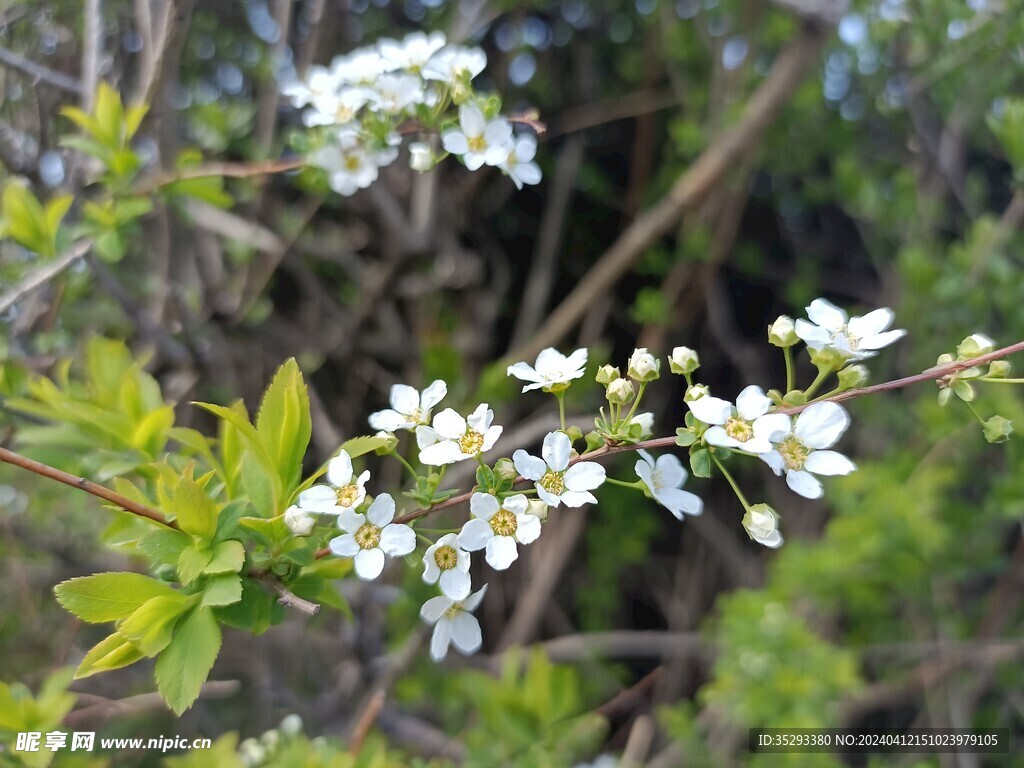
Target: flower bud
683	361
291	725
974	345
421	159
852	377
299	521
270	739
762	524
782	333
620	392
389	446
696	391
998	369
251	752
505	469
643	366
827	358
537	508
645	421
606	374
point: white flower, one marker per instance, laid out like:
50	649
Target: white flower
747	425
664	478
299	521
337	107
347	493
643	366
412	52
454	64
448	562
683	360
519	164
646	422
421	157
551	370
396	93
453	438
799	452
498	526
762	524
361	67
408	408
856	338
453	622
369	537
319	81
555	480
349	165
479	142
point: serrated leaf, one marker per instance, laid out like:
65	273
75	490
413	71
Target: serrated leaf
194	511
363	444
151	627
228	557
224	589
185	664
192	561
252	613
108	596
283	422
113	652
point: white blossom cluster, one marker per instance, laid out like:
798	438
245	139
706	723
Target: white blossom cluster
503	518
367	100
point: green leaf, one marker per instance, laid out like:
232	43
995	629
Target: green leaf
253	613
685	437
363	444
223	590
151	627
228	557
195	512
700	463
26	220
192	561
185	664
113	652
963	390
283	422
109	596
164	546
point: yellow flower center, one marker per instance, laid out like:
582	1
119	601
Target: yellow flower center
739	430
446	557
368	536
347	496
471	443
503	523
352	163
793	452
477	144
552	482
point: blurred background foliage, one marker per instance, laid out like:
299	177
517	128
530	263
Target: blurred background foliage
890	177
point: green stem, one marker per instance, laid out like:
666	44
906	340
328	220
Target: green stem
1001	381
732	482
623	484
639	394
823	373
407	465
429	542
975	412
561	408
826	396
790	372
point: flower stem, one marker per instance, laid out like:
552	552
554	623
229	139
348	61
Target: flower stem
623	484
407	465
561	408
732	482
823	373
790	372
639	394
975	412
1001	381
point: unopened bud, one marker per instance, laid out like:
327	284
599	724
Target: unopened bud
683	361
291	725
299	521
505	469
606	374
762	524
998	369
421	159
391	442
537	508
852	377
696	391
643	366
620	392
782	333
974	345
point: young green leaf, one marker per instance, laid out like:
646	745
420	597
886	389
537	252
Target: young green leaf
283	422
109	596
113	652
223	590
185	664
195	512
228	557
192	561
151	627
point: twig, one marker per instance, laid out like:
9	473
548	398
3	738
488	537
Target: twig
92	44
365	722
39	73
45	470
231	170
44	274
688	191
286	597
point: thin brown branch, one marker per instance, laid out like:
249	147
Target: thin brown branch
44	470
286	597
231	170
366	720
39	73
44	274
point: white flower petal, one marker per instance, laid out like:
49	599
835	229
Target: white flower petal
434	608
524	372
644	471
752	403
773	426
449	424
718	436
829	463
577	498
530	467
475	534
472	120
501	552
527	528
804	483
671	470
433	394
880	340
431	572
425	437
350	520
547	497
815	336
678	502
397	540
871	323
319	498
556	450
820	425
711	410
773	540
387	420
516	504
480	420
774	460
344	545
490	438
466	633
826	314
470	603
498	132
455	142
455	584
369	563
584	476
445	452
440	640
404	398
382	510
483	505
